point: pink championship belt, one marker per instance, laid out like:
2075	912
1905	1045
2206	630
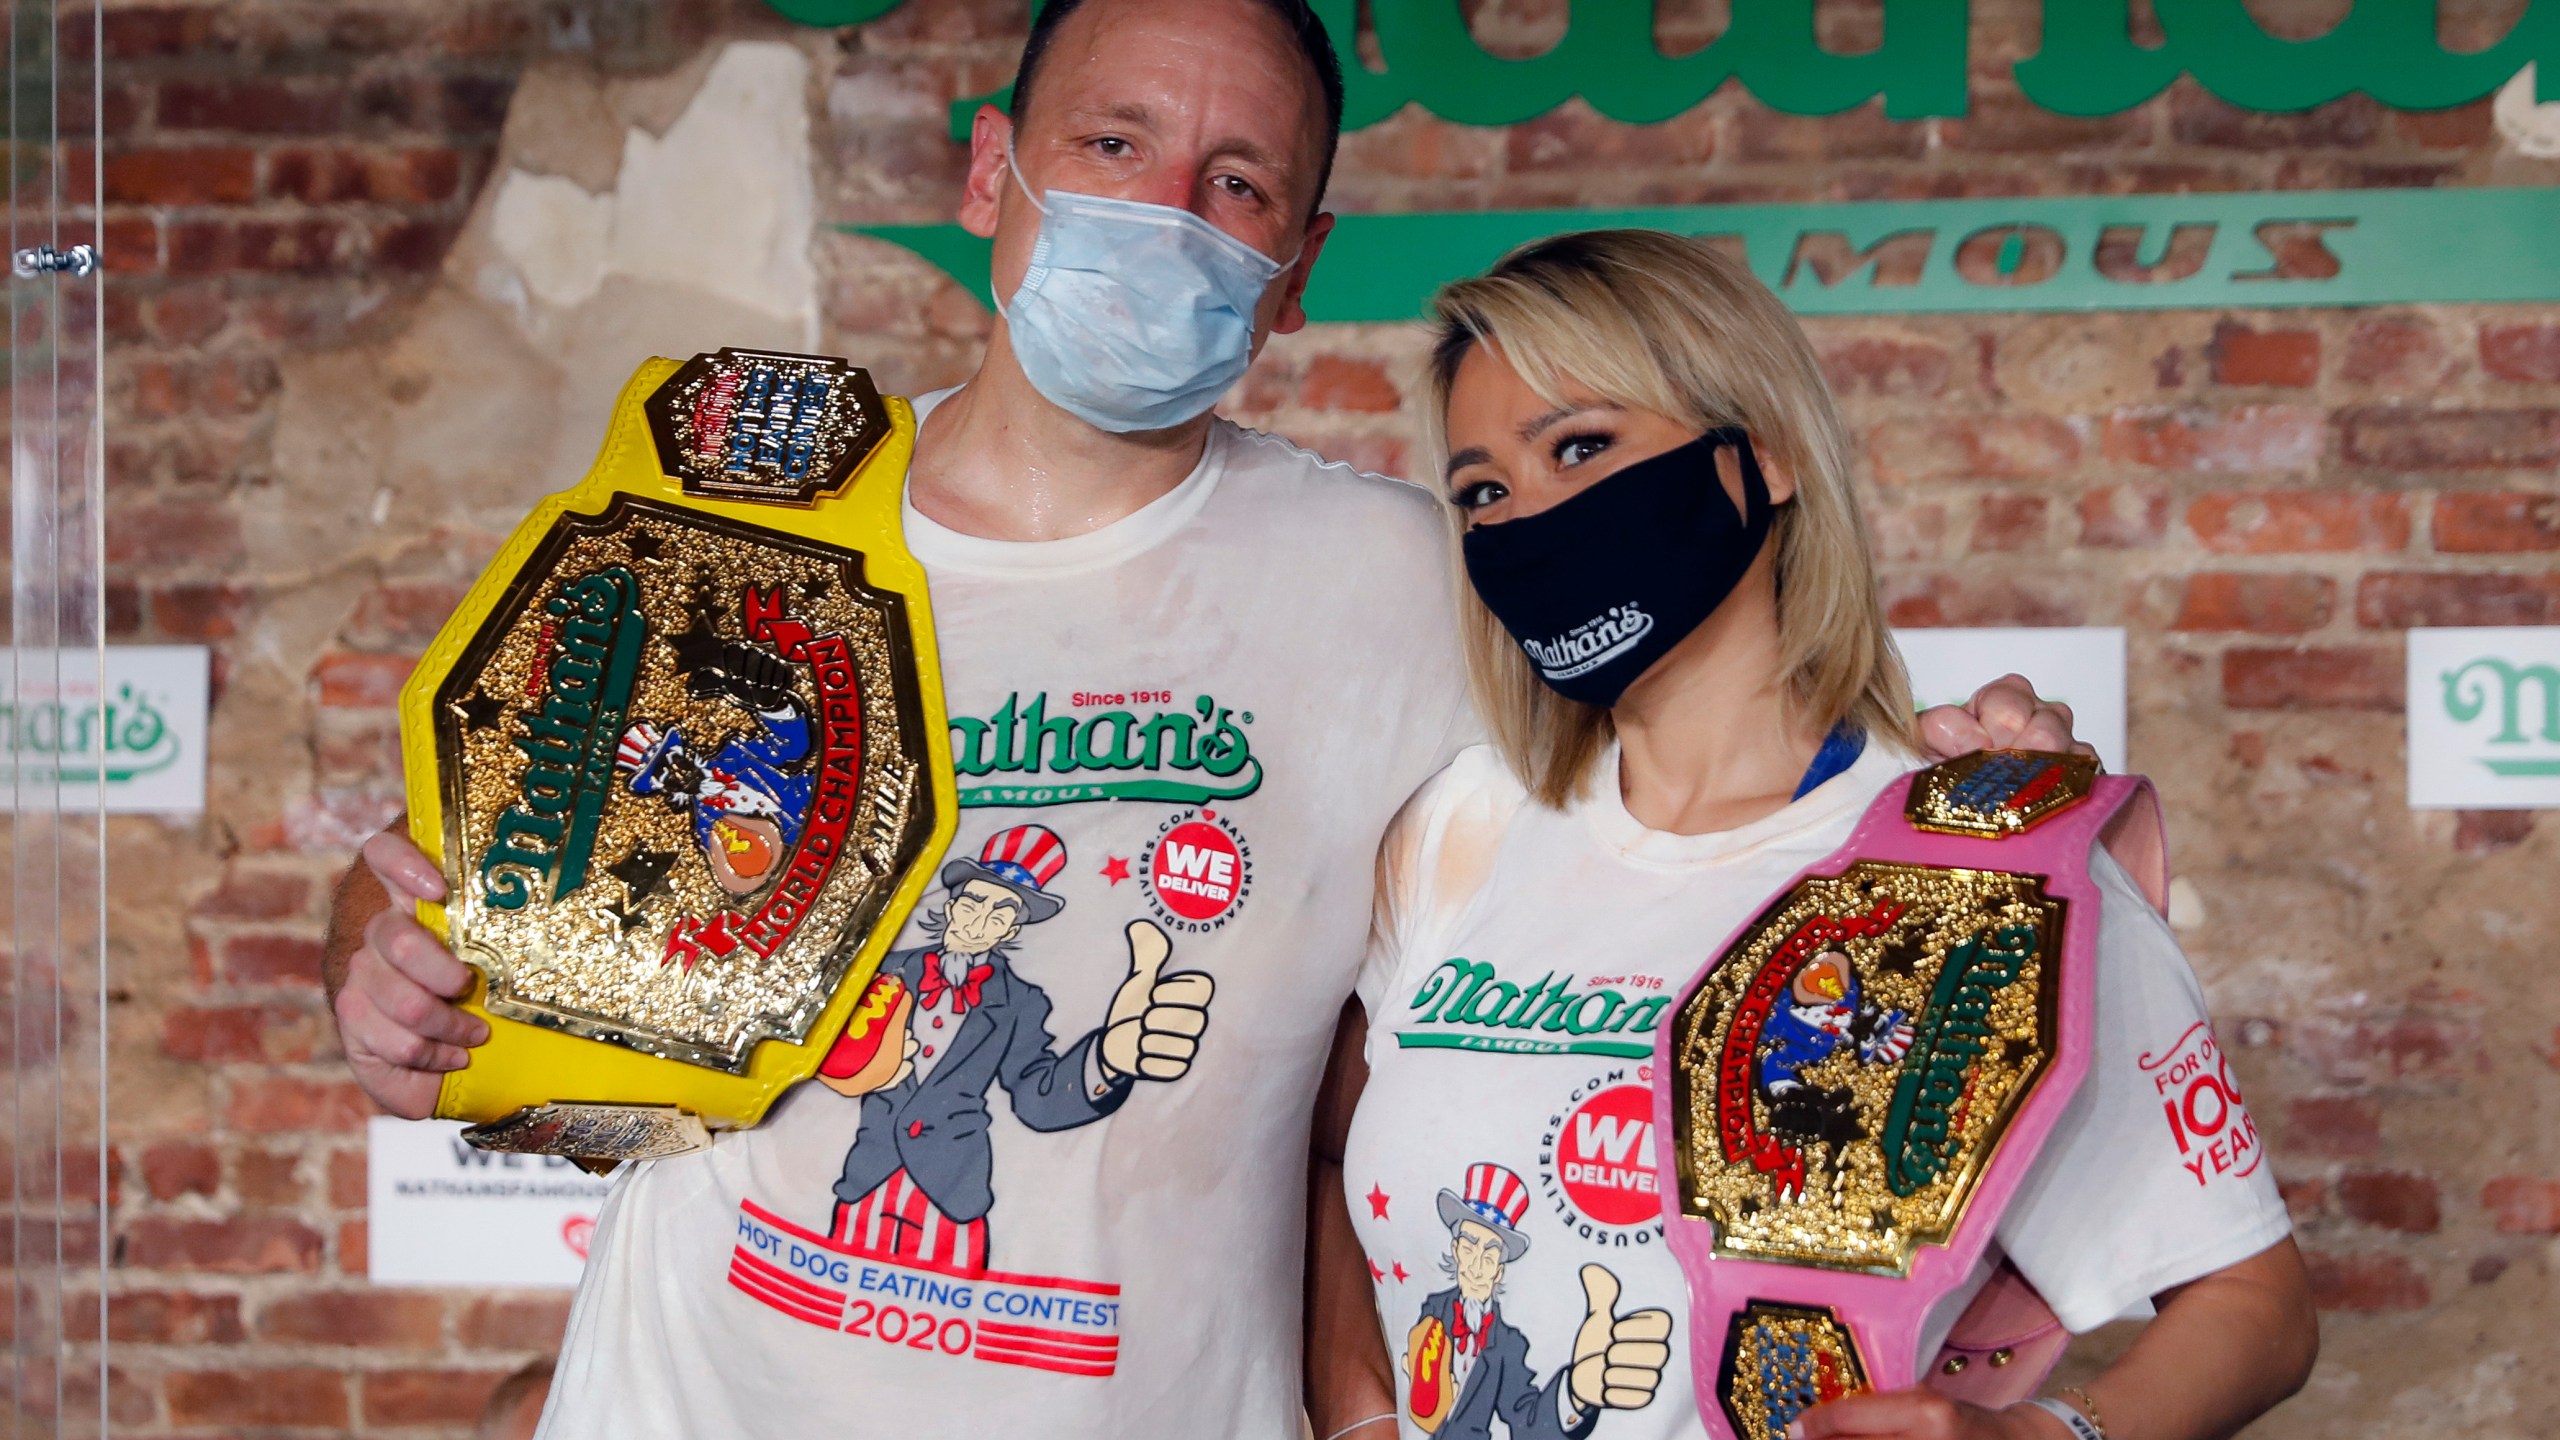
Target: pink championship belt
1859	1082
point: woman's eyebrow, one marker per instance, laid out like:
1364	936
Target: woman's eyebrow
1472	455
1538	425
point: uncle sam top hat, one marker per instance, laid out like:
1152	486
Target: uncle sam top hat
638	755
1023	860
1496	1199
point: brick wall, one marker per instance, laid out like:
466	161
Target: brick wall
2265	499
279	179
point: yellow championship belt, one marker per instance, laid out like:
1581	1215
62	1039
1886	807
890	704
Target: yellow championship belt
680	756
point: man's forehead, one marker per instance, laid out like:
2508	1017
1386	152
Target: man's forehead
1111	55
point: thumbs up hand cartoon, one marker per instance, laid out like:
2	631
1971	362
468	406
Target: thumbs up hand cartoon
1617	1359
1156	1020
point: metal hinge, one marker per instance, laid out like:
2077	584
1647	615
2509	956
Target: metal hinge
37	260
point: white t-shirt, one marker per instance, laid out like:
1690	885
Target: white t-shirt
1522	961
1210	710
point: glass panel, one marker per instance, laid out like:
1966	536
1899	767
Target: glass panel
53	976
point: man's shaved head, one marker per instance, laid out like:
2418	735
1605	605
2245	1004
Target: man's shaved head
1295	16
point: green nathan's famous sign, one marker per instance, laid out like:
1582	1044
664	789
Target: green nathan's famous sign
2122	252
2484	717
2130	252
2090	61
120	729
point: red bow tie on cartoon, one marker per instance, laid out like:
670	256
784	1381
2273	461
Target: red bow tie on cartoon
932	986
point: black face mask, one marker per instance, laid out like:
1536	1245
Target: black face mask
1602	585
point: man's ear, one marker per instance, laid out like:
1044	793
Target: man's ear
990	148
1292	316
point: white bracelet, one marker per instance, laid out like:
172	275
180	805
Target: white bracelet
1360	1425
2062	1410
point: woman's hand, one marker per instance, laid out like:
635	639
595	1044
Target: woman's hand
2003	715
2225	1349
1918	1414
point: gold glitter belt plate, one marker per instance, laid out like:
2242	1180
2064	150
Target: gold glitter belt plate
680	756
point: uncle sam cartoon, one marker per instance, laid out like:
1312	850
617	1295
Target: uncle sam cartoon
1466	1366
918	1183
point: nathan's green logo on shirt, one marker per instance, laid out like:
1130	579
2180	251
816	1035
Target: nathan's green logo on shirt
1466	1006
1025	742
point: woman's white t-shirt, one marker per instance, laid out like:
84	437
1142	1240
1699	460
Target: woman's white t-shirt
1523	959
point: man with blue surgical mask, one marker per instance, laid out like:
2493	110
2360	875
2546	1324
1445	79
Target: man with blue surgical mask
1134	316
1192	670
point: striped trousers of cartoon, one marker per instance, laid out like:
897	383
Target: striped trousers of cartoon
896	1222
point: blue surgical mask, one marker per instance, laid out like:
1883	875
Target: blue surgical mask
1134	316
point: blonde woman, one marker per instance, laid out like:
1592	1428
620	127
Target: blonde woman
1674	636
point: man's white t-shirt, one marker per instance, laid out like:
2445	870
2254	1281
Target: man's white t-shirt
1200	718
1521	964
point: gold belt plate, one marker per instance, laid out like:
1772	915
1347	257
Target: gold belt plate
1994	794
1842	1076
766	426
1779	1362
683	762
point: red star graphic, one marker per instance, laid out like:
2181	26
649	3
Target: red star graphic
1375	1273
1400	1275
1115	870
1377	1199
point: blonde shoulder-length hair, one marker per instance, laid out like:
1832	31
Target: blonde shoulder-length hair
1652	321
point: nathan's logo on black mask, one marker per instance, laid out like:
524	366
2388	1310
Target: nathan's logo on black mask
1599	587
1590	645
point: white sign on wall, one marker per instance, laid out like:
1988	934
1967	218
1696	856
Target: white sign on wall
2083	667
141	733
2484	718
442	1213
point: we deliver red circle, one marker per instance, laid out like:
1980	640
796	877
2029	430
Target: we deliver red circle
1196	871
1605	1158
